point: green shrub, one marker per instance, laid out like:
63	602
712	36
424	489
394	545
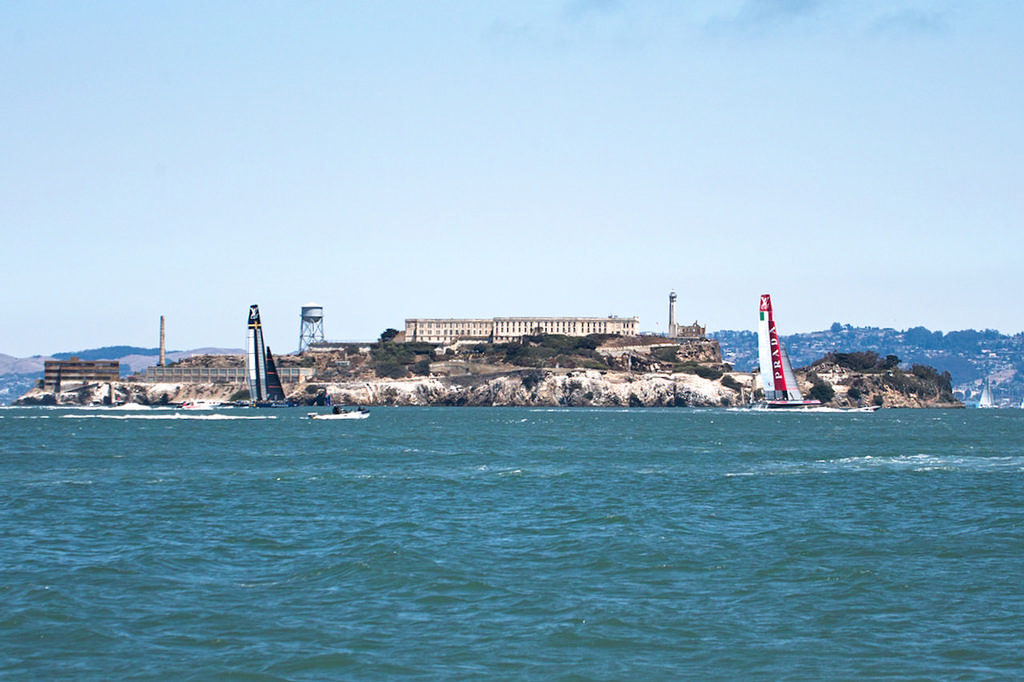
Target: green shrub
531	379
390	370
822	391
706	372
861	361
665	353
864	361
393	353
688	367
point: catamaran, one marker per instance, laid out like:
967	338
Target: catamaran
265	389
780	386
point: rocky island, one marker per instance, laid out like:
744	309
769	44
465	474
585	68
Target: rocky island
540	371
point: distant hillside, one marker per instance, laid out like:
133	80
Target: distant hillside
13	386
18	375
12	365
132	358
969	355
107	353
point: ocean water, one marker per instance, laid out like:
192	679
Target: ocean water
514	544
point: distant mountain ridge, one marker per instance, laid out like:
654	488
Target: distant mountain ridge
107	353
12	365
133	358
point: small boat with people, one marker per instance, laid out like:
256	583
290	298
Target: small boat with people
339	412
199	404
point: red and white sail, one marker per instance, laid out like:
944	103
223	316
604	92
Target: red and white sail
776	373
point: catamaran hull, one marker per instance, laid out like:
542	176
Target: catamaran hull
791	404
807	407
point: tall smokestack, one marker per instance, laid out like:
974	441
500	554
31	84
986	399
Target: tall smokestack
163	347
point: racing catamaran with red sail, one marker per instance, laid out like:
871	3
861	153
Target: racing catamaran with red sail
780	386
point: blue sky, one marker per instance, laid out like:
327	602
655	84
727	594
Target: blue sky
860	161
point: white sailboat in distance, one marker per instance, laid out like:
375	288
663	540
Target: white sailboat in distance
986	395
780	386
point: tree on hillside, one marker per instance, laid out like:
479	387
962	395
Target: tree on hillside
821	390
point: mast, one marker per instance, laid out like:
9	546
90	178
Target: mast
255	357
764	354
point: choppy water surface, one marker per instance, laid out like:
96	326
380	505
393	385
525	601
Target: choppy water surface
448	544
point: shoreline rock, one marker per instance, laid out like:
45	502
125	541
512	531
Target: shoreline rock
522	388
531	388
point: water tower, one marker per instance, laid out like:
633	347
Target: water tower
311	328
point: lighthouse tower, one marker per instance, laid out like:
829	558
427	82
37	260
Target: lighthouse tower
673	328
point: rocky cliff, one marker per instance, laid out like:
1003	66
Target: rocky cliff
539	388
535	388
531	388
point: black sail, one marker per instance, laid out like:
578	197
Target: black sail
275	391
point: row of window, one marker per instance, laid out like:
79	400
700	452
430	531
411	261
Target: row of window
449	323
238	373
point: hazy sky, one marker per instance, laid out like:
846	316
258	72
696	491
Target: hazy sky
859	160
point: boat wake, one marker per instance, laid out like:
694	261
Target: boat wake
188	416
808	409
918	463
